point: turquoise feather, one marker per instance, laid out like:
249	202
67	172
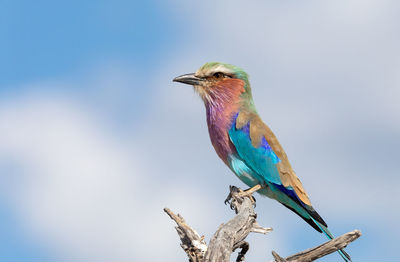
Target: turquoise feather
261	160
329	235
258	166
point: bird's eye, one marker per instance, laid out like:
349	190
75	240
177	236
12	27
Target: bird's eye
218	75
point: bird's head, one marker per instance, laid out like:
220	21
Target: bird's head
218	81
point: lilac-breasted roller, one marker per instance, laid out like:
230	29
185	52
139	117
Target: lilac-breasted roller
246	144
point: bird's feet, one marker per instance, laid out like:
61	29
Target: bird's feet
241	194
249	192
232	190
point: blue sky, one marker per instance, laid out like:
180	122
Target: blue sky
46	39
95	139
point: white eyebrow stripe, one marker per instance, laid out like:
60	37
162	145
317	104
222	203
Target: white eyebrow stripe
221	69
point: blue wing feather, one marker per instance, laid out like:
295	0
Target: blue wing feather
261	164
261	160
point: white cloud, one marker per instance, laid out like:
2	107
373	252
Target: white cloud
82	190
76	180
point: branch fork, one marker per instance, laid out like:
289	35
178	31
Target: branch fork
231	235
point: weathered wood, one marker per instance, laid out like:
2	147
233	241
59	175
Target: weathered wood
228	237
277	257
231	235
244	246
324	249
192	243
235	230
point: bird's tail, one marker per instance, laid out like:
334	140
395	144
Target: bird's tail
329	235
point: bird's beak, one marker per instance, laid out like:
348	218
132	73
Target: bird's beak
189	79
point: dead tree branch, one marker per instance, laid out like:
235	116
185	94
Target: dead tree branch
321	250
192	243
231	235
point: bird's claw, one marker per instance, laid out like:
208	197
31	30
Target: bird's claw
249	192
241	194
232	189
249	195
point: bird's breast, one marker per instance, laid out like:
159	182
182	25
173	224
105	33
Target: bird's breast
219	123
220	141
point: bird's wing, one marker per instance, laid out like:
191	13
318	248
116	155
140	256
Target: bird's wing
260	150
257	145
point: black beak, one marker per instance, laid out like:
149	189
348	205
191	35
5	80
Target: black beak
189	79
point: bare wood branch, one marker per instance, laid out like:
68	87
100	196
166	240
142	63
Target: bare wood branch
244	246
231	236
235	230
228	237
277	257
324	249
259	229
192	243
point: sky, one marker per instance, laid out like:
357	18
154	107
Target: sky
96	139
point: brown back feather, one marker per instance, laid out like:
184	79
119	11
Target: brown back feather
258	130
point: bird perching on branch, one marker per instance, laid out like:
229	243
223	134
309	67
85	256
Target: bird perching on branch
246	144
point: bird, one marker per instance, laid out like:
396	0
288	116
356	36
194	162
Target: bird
246	144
